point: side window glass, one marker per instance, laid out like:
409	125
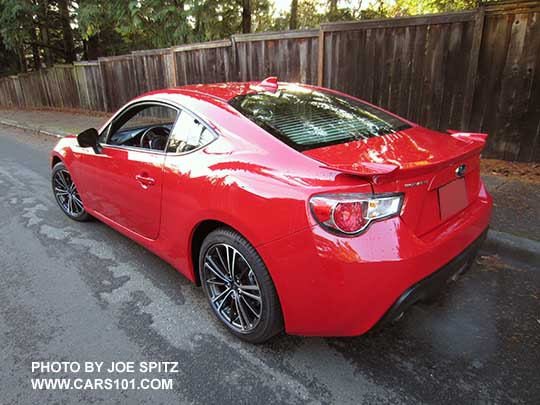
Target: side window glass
146	126
188	134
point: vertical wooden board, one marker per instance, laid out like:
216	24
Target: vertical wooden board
22	85
434	58
241	60
82	90
388	67
506	97
292	63
347	48
68	86
180	68
185	68
516	85
406	57
529	124
440	75
18	92
329	61
52	88
396	70
26	88
418	64
490	67
254	61
119	81
304	66
453	77
367	59
461	43
95	87
337	61
378	66
270	64
314	59
356	65
3	92
198	66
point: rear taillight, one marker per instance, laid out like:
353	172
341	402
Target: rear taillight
351	214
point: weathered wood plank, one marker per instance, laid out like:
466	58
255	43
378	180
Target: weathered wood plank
427	19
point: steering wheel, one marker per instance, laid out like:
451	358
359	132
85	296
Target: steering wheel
155	137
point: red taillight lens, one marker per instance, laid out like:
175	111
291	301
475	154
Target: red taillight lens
351	214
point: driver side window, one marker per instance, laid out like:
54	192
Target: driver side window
145	126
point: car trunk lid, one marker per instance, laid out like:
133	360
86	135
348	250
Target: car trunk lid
438	173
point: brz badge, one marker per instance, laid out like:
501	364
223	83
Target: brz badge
460	171
416	183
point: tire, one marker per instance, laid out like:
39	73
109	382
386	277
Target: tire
66	195
237	309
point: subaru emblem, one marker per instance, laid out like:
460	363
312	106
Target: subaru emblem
460	171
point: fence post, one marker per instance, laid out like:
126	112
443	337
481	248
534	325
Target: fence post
472	72
173	70
320	59
234	60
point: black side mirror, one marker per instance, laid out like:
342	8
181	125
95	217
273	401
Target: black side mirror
89	139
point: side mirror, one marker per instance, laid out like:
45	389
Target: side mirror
89	139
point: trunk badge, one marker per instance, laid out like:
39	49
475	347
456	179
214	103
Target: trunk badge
416	183
460	171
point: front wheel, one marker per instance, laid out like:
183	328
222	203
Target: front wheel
238	286
66	194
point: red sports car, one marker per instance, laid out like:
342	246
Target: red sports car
295	207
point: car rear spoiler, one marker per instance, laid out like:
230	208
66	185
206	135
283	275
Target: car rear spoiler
474	143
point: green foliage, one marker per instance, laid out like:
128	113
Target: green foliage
15	23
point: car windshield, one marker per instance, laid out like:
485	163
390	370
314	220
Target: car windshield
307	119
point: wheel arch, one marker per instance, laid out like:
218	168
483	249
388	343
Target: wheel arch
200	232
55	159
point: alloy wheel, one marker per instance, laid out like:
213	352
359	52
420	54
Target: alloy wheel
66	193
233	288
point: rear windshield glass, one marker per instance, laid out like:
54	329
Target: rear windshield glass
307	119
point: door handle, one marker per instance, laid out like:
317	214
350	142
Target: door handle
144	180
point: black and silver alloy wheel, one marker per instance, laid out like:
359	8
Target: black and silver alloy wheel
233	287
66	194
238	286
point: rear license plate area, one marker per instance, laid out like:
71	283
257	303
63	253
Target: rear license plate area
452	198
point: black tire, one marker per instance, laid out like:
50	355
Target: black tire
251	269
60	179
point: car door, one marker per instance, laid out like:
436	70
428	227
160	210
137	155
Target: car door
128	175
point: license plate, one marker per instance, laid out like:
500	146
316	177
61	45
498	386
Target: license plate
453	198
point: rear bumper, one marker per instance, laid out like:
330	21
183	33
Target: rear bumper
434	283
334	286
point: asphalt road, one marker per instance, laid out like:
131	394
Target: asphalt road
82	292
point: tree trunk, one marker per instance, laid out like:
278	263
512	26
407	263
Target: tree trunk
44	28
22	60
246	16
69	49
92	48
293	22
35	48
49	58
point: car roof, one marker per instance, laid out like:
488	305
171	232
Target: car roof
222	91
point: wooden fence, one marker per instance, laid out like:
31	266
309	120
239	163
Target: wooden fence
475	70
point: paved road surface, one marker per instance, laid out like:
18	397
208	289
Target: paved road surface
83	292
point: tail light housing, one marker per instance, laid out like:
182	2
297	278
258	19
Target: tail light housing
351	214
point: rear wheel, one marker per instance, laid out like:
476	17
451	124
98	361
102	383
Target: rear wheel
66	194
238	286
